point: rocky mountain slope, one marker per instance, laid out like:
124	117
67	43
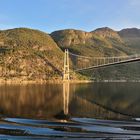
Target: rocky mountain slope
27	54
102	42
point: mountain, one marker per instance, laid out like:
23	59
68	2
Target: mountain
101	42
27	54
131	37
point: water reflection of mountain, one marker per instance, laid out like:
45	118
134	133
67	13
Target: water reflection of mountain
98	100
31	101
119	97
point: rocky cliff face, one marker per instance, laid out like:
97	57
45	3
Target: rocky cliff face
107	33
101	42
71	37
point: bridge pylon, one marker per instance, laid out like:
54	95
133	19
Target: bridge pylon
66	75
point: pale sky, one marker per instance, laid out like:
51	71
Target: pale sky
51	15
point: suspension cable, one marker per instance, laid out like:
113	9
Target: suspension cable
89	57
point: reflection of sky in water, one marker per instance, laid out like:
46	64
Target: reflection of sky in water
76	127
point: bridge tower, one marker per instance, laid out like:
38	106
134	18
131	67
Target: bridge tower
66	75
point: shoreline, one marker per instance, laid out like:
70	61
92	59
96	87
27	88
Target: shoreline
25	82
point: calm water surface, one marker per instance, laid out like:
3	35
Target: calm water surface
72	111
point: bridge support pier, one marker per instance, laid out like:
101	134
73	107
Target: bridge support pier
66	75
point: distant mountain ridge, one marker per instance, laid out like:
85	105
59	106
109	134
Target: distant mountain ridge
100	42
131	36
130	32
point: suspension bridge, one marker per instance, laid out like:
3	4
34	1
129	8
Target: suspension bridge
82	63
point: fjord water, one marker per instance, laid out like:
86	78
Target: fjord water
93	110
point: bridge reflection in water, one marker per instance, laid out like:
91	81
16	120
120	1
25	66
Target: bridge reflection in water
66	90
